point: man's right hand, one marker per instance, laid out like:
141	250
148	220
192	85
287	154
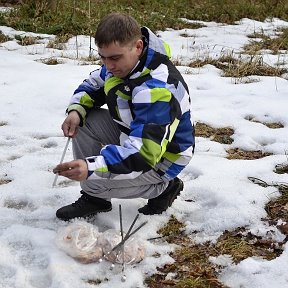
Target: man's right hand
71	124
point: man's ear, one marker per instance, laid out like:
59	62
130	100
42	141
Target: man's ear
139	46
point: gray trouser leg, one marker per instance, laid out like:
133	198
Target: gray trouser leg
101	130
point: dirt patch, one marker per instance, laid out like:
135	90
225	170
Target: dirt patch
19	205
274	125
278	208
241	244
237	153
9	2
192	266
26	40
281	168
3	123
271	125
236	67
221	135
50	61
4	181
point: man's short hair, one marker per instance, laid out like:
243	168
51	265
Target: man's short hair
117	27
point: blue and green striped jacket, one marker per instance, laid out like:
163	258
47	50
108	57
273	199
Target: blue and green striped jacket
152	109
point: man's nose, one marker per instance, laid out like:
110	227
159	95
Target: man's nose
109	64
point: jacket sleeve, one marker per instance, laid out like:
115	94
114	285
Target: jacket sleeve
89	94
156	117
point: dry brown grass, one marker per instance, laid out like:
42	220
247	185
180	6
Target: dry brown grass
237	153
4	181
192	267
271	125
278	208
27	40
221	135
281	168
240	68
51	61
274	44
59	42
4	38
241	244
3	123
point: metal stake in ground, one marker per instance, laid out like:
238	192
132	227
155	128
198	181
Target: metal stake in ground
61	160
123	278
127	236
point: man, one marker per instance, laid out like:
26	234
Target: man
138	146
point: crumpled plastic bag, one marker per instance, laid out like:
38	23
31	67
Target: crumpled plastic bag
79	240
134	250
85	243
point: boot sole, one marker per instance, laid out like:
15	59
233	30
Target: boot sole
84	216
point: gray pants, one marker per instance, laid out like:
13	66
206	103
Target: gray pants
100	130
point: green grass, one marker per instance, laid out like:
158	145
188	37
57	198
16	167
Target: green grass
158	15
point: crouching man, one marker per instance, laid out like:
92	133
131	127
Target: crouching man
138	146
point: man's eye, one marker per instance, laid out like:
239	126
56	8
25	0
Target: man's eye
115	58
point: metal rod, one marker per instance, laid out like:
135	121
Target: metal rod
133	223
61	160
122	237
127	236
121	224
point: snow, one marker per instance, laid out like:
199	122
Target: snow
33	100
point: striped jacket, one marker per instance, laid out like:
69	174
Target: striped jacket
152	109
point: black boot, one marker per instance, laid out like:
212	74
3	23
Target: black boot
164	200
85	206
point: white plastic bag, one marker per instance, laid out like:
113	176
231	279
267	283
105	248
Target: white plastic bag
134	250
85	243
79	240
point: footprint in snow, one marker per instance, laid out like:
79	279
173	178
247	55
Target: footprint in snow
49	144
19	204
32	259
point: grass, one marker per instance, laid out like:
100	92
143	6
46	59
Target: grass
158	15
237	153
277	208
4	38
26	40
271	125
3	123
193	266
51	61
275	44
71	18
4	181
240	67
221	135
281	168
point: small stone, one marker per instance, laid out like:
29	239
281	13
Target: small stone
123	278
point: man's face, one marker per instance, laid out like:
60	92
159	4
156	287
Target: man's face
121	59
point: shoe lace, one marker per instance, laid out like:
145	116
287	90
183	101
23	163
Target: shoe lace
81	202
